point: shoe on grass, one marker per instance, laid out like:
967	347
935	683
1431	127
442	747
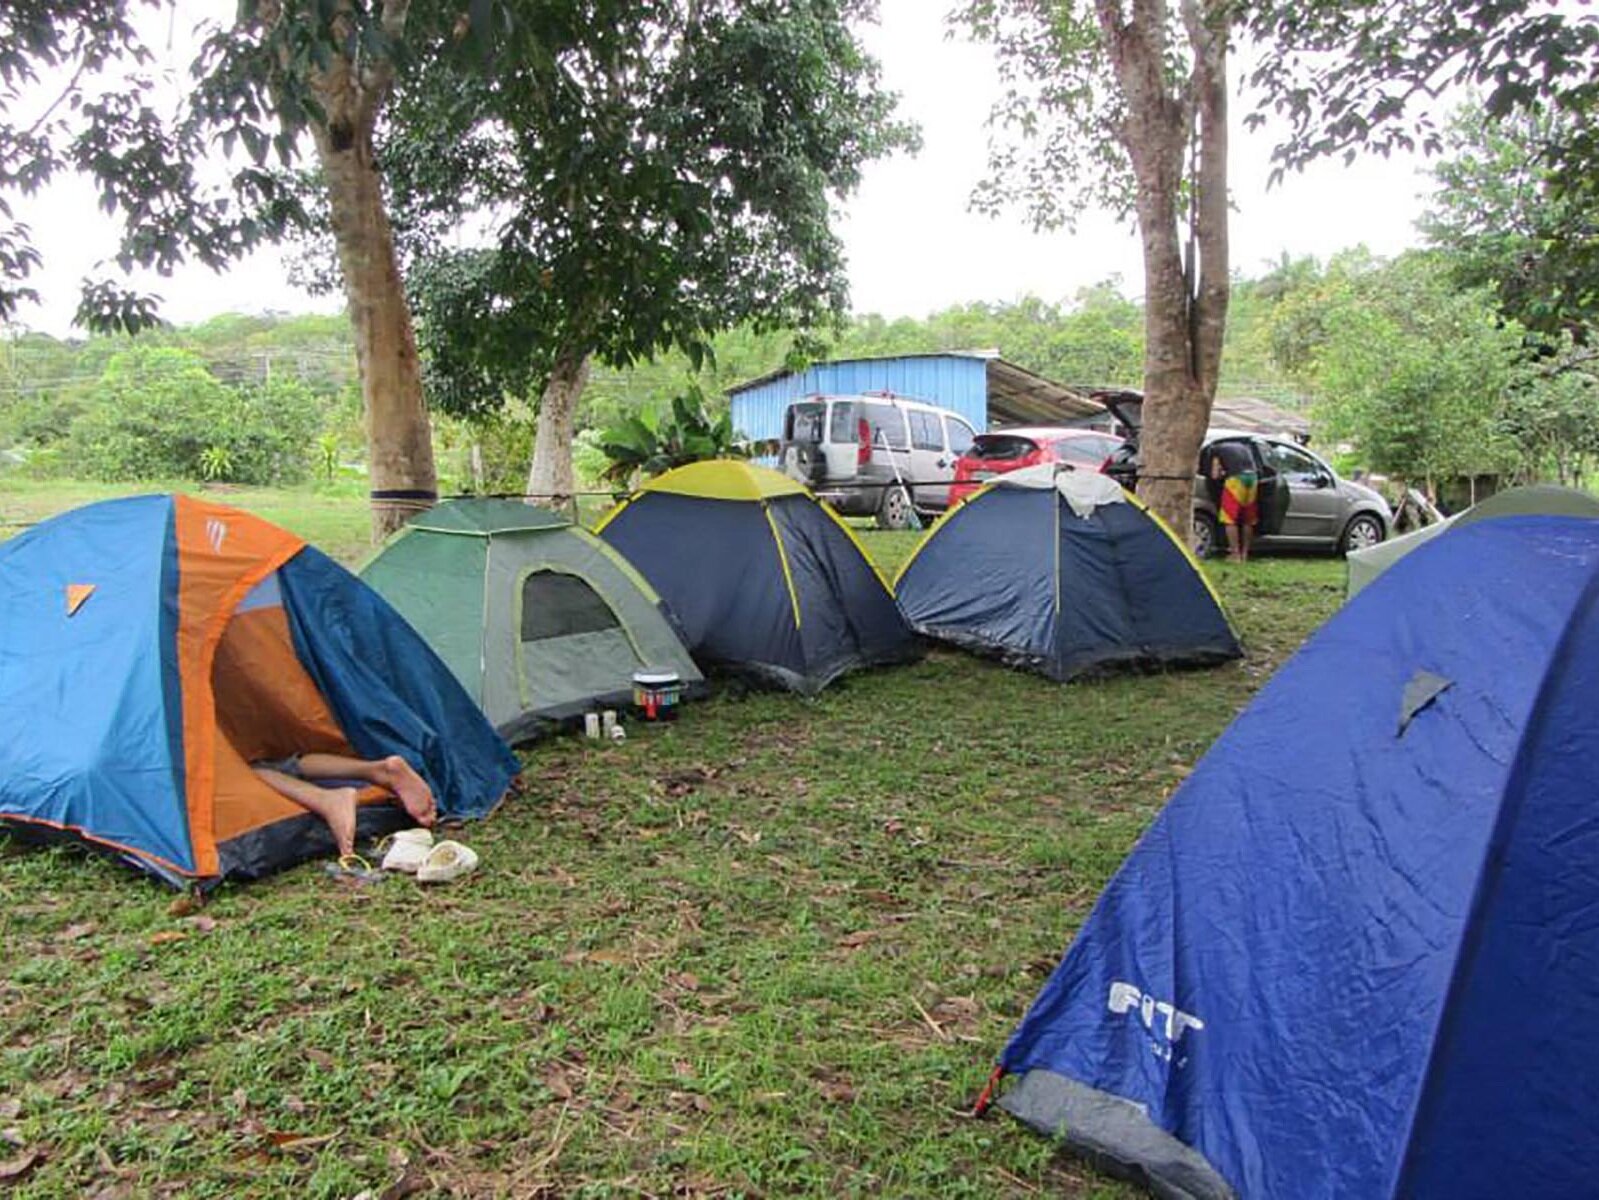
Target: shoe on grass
407	850
446	861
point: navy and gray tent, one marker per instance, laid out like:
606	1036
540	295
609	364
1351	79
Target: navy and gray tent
764	580
1063	573
1357	954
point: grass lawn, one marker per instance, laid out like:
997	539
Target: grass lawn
771	949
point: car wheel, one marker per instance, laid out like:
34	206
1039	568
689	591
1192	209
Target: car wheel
1362	533
895	510
1207	538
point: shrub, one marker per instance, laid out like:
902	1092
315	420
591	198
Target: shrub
158	413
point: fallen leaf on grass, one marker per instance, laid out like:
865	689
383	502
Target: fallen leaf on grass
205	924
167	936
298	1143
185	905
853	941
10	1108
836	1091
686	980
411	1183
13	1169
556	1080
78	931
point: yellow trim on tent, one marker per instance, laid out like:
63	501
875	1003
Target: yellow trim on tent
1188	553
937	524
1131	499
856	542
612	515
782	558
726	479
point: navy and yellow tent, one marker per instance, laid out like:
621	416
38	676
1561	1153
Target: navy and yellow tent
152	648
763	579
1064	573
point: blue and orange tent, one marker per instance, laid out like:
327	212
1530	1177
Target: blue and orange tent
152	648
1357	955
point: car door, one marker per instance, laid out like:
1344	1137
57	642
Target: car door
1315	509
931	467
958	439
1271	493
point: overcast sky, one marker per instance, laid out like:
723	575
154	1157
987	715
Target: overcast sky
913	245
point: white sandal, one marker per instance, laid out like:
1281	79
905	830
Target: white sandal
446	861
408	849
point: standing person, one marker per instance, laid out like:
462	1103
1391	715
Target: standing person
1235	484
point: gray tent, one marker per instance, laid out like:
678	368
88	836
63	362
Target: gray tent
1538	499
539	619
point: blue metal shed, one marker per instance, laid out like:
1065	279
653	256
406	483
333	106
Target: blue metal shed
979	385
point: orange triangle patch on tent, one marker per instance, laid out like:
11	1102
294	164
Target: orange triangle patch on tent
77	593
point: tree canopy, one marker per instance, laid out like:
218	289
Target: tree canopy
1383	75
1502	215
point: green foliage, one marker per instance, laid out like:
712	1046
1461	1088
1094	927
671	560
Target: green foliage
658	439
1372	76
1410	371
159	413
1060	116
653	173
1551	414
1506	221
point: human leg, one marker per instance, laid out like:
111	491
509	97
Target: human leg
336	806
393	773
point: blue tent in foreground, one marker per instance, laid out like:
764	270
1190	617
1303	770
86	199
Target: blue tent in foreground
1357	955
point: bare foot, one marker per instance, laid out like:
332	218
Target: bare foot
397	775
339	813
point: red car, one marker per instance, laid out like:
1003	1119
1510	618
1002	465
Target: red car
1004	450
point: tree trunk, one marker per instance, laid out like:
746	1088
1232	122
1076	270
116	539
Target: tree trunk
398	436
399	441
1184	317
550	480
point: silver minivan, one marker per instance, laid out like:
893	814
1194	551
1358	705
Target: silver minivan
874	455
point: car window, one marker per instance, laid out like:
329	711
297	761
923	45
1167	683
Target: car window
1292	463
1235	454
885	423
804	423
925	433
1001	447
841	425
1087	451
961	435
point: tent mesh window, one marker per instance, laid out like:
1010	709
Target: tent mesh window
556	605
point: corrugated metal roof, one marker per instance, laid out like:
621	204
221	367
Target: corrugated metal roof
1248	414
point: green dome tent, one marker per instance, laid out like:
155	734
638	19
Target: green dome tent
539	619
1536	500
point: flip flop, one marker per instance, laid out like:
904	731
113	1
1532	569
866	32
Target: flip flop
445	862
407	850
354	868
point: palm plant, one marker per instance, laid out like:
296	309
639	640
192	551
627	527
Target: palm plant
654	440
